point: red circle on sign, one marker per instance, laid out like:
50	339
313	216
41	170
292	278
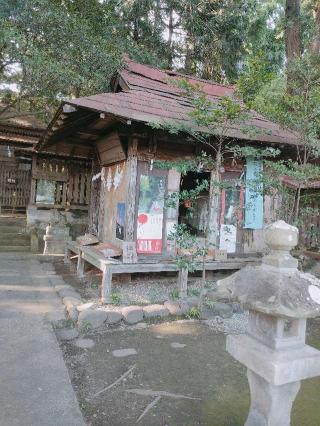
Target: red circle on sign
142	218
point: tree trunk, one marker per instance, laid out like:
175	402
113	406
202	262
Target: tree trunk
135	30
214	203
170	29
292	30
189	61
315	44
297	204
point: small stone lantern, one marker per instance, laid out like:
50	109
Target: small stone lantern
279	298
57	234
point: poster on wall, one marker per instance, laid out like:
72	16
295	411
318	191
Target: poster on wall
228	238
150	214
121	211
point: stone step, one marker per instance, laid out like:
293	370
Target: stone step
4	249
12	221
9	229
15	241
14	235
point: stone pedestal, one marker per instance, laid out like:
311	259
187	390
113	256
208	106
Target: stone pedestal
279	299
55	239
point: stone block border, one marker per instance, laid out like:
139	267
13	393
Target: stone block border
90	316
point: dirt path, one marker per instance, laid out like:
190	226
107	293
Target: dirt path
174	374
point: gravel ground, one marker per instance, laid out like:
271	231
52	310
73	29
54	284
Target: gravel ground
143	290
237	324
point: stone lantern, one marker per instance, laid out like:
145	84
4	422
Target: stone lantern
279	298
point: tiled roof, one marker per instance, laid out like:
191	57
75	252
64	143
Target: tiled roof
11	117
19	128
146	94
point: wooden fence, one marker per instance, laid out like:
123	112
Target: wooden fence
14	187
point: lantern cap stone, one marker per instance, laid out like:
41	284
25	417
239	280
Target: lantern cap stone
276	287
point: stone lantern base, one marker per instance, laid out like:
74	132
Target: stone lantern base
279	298
274	377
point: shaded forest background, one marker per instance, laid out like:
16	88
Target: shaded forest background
55	49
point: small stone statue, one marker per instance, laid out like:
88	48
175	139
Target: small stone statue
279	298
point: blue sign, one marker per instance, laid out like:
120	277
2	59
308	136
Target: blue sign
254	196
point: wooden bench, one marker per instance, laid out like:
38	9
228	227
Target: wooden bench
113	266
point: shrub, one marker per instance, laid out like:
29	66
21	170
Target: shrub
115	298
194	313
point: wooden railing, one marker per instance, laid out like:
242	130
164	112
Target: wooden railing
72	182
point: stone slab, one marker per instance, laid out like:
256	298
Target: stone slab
219	309
176	307
67	333
120	353
132	314
113	316
60	287
139	326
85	306
69	293
92	318
72	312
151	311
177	345
84	343
71	300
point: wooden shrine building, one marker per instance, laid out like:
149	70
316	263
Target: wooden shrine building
35	184
127	207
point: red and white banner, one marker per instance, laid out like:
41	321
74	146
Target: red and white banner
149	233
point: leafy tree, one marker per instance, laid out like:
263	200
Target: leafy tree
56	49
297	110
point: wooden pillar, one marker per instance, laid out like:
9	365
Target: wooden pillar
106	289
132	163
172	213
102	200
129	244
183	282
67	256
33	181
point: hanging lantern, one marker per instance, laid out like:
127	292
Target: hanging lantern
187	204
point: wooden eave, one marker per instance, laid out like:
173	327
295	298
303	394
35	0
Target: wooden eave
74	131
